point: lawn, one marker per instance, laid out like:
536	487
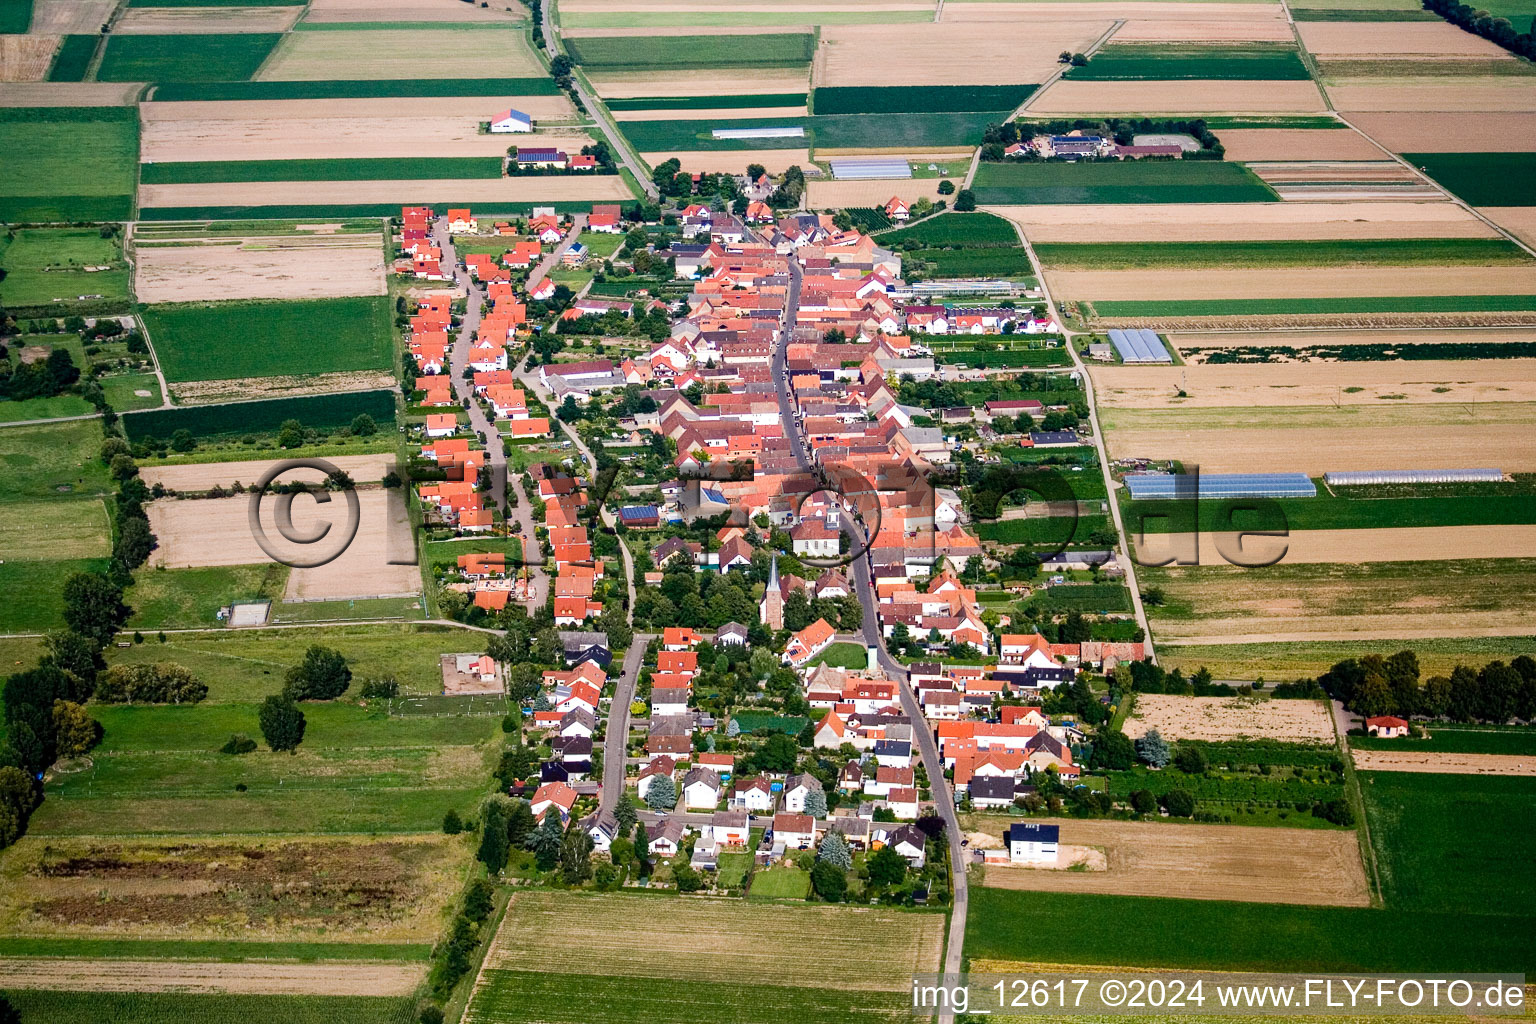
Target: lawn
1481	179
202	341
897	99
188	598
648	53
69	404
122	391
732	868
34	592
956	230
45	267
187	1008
1217	935
1303	305
1518	741
780	883
1127	62
842	655
447	552
1444	843
68	163
193	57
58	528
1130	181
383	168
1286	253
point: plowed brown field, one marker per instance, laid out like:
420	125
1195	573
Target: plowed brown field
1229	718
261	268
1182	97
1444	764
1248	385
268	979
1184	222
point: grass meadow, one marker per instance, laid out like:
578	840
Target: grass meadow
190	1008
1482	179
68	163
1519	741
1129	181
1128	62
378	169
1392	252
46	265
231	340
185	58
189	598
648	53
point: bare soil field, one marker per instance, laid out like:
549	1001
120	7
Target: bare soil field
217	532
573	188
1287	282
1182	222
26	58
624	32
70	94
202	392
1519	221
1467	95
218	138
389	889
191	20
1286	144
1303	547
1382	38
408	10
763	6
467	110
1447	133
1209	862
1443	764
1235	30
830	195
1181	97
203	476
70	17
675	114
1249	385
1230	718
706	82
1111	10
280	979
1301	339
866	54
261	268
312	56
734	161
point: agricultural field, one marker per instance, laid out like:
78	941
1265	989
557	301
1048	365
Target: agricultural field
907	99
1230	718
1179	96
192	1008
1297	660
1252	222
1432	763
1481	179
479	52
1412	377
48	269
1505	286
185	58
1457	739
641	52
825	131
1391	252
259	267
1128	62
757	959
322	412
196	20
68	163
1123	182
864	55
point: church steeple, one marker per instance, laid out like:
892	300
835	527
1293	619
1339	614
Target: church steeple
771	610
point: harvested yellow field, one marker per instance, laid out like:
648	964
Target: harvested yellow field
190	20
386	53
1447	133
260	268
477	190
1249	385
1233	30
1403	336
732	161
625	32
1284	144
70	94
1333	547
457	110
1519	221
739	82
1110	10
26	58
1177	717
1185	97
744	6
207	475
1443	764
1469	95
267	979
834	195
1388	38
70	17
1209	862
1314	439
676	114
927	54
1184	222
409	10
1289	282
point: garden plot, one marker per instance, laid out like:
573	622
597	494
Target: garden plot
203	476
1304	547
1210	862
546	188
1318	383
26	58
1442	763
1181	97
284	267
1429	132
1289	282
407	11
866	54
1230	718
191	20
370	54
267	979
1290	144
1183	222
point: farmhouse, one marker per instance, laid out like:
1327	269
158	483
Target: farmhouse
511	121
541	158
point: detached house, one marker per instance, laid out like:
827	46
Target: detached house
701	789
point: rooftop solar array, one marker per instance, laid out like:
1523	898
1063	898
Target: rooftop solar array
868	170
1139	345
1413	476
1220	485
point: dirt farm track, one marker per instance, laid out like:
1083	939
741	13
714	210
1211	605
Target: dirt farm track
341	979
1212	862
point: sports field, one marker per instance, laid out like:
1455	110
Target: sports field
68	163
1120	182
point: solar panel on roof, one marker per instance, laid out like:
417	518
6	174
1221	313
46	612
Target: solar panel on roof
1220	485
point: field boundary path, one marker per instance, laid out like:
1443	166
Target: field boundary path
616	735
943	797
1062	69
1124	550
458	362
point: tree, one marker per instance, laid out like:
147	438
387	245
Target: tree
886	867
183	440
965	201
363	425
547	840
123	467
661	795
74	730
834	850
8	1014
520	824
816	803
1143	802
1190	759
516	764
323	675
78	655
829	881
282	723
777	754
1179	803
290	434
1112	750
452	823
134	542
946	187
495	814
575	854
624	817
642	849
1153	749
479	897
93	606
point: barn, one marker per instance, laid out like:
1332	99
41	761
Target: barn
511	121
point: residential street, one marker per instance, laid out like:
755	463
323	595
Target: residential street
616	736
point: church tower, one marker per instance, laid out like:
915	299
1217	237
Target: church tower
771	611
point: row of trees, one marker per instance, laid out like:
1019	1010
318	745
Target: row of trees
1374	685
1481	22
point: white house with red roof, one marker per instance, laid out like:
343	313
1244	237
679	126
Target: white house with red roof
896	209
1387	727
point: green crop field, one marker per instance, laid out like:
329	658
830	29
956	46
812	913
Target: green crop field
264	416
845	131
68	163
1014	357
15	16
1328	512
762	17
1294	306
45	268
958	230
1444	843
1130	181
1242	793
189	598
897	99
1216	935
1088	597
354	89
1481	179
1126	62
231	340
188	1008
768	99
383	168
185	58
1518	741
770	50
990	262
1392	252
73	59
1295	122
1303	659
215	3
